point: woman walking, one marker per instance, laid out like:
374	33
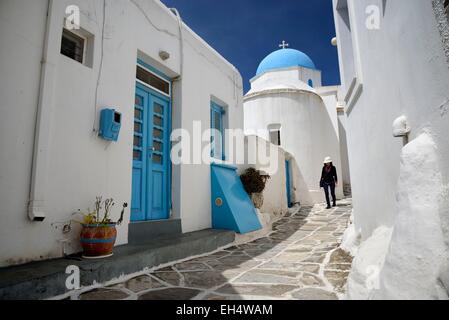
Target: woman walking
328	181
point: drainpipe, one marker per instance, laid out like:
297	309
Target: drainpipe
179	114
39	171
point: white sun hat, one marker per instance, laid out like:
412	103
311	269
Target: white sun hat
328	160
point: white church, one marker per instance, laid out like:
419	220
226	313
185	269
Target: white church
288	106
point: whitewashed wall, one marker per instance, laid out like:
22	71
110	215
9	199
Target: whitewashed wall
20	74
330	97
345	168
399	69
402	73
80	165
291	78
307	133
275	193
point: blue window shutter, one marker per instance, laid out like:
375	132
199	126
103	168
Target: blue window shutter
219	111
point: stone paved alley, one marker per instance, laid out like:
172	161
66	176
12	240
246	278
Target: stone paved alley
300	259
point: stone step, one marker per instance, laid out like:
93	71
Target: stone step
146	231
46	279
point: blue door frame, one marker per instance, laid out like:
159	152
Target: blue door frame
151	177
288	183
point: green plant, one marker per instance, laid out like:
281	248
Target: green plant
96	217
254	181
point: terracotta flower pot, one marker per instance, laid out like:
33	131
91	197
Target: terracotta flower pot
98	241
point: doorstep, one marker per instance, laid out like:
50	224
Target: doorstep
46	279
146	231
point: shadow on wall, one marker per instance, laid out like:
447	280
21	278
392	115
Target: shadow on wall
275	193
299	186
270	159
346	176
331	140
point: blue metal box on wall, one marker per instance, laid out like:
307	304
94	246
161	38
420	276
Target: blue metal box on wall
110	124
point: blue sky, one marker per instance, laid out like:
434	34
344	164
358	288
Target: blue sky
245	31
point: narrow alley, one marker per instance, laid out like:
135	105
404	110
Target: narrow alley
300	260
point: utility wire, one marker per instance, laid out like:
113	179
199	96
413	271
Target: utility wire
100	71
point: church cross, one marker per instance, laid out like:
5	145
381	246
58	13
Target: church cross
284	44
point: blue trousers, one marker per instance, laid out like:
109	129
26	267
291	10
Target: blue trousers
330	186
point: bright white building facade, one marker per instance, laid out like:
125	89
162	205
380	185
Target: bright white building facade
135	57
394	62
288	106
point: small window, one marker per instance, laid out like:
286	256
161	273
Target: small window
152	80
158	109
158	134
217	137
73	46
138	127
137	155
275	137
310	83
138	113
158	159
158	121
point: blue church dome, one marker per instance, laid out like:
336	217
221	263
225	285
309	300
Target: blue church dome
285	58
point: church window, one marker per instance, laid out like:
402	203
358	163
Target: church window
310	83
274	131
275	137
217	116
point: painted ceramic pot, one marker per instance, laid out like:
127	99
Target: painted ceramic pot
98	241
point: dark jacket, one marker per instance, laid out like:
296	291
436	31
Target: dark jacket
329	177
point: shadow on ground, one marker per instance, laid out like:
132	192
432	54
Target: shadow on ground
300	259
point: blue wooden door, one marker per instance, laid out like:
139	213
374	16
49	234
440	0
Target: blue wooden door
288	183
150	181
139	179
159	160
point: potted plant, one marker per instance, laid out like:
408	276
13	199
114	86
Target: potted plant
254	183
98	233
